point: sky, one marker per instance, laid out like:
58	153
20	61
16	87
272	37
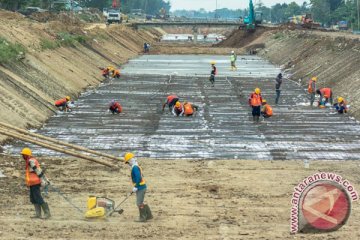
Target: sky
210	5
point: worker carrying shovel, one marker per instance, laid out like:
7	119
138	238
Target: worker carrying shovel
35	178
139	187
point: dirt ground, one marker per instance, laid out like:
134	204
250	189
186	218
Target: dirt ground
189	199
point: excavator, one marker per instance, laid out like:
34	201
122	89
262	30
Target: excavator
252	20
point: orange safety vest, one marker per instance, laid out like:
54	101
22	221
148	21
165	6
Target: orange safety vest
268	110
60	102
31	178
142	182
255	100
310	89
116	72
326	92
116	105
188	109
170	98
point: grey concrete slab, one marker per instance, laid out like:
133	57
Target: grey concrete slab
222	129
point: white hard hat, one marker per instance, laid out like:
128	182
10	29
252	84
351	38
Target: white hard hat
232	51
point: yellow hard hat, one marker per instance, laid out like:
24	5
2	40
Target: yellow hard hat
68	98
314	78
264	100
212	62
177	104
340	99
257	90
26	151
128	156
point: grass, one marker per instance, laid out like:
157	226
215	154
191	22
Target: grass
65	39
70	40
10	51
49	44
278	35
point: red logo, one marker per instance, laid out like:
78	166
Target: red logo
325	206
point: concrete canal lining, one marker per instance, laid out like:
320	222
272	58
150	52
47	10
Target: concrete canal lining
223	127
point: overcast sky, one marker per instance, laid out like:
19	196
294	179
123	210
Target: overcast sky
210	5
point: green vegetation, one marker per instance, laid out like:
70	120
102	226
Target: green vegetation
70	40
49	44
278	35
64	39
10	51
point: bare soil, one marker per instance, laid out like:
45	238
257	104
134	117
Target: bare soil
30	87
189	199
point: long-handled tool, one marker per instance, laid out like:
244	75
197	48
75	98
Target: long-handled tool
120	211
64	197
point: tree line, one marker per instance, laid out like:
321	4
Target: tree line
148	6
326	12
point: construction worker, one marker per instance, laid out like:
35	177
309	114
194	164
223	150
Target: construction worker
212	73
255	101
178	109
63	104
170	101
139	188
267	110
115	73
233	59
115	107
35	178
341	105
104	72
278	87
189	109
312	89
325	93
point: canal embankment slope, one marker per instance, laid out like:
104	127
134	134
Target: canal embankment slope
334	57
42	62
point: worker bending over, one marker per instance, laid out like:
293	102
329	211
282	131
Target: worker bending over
255	101
115	73
312	89
267	110
106	71
63	104
189	109
139	188
35	178
325	93
115	107
178	109
170	101
341	105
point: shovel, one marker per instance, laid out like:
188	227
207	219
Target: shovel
120	211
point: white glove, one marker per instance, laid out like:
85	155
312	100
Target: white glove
44	182
134	190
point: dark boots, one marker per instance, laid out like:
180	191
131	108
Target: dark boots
145	213
46	210
37	211
142	213
148	212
